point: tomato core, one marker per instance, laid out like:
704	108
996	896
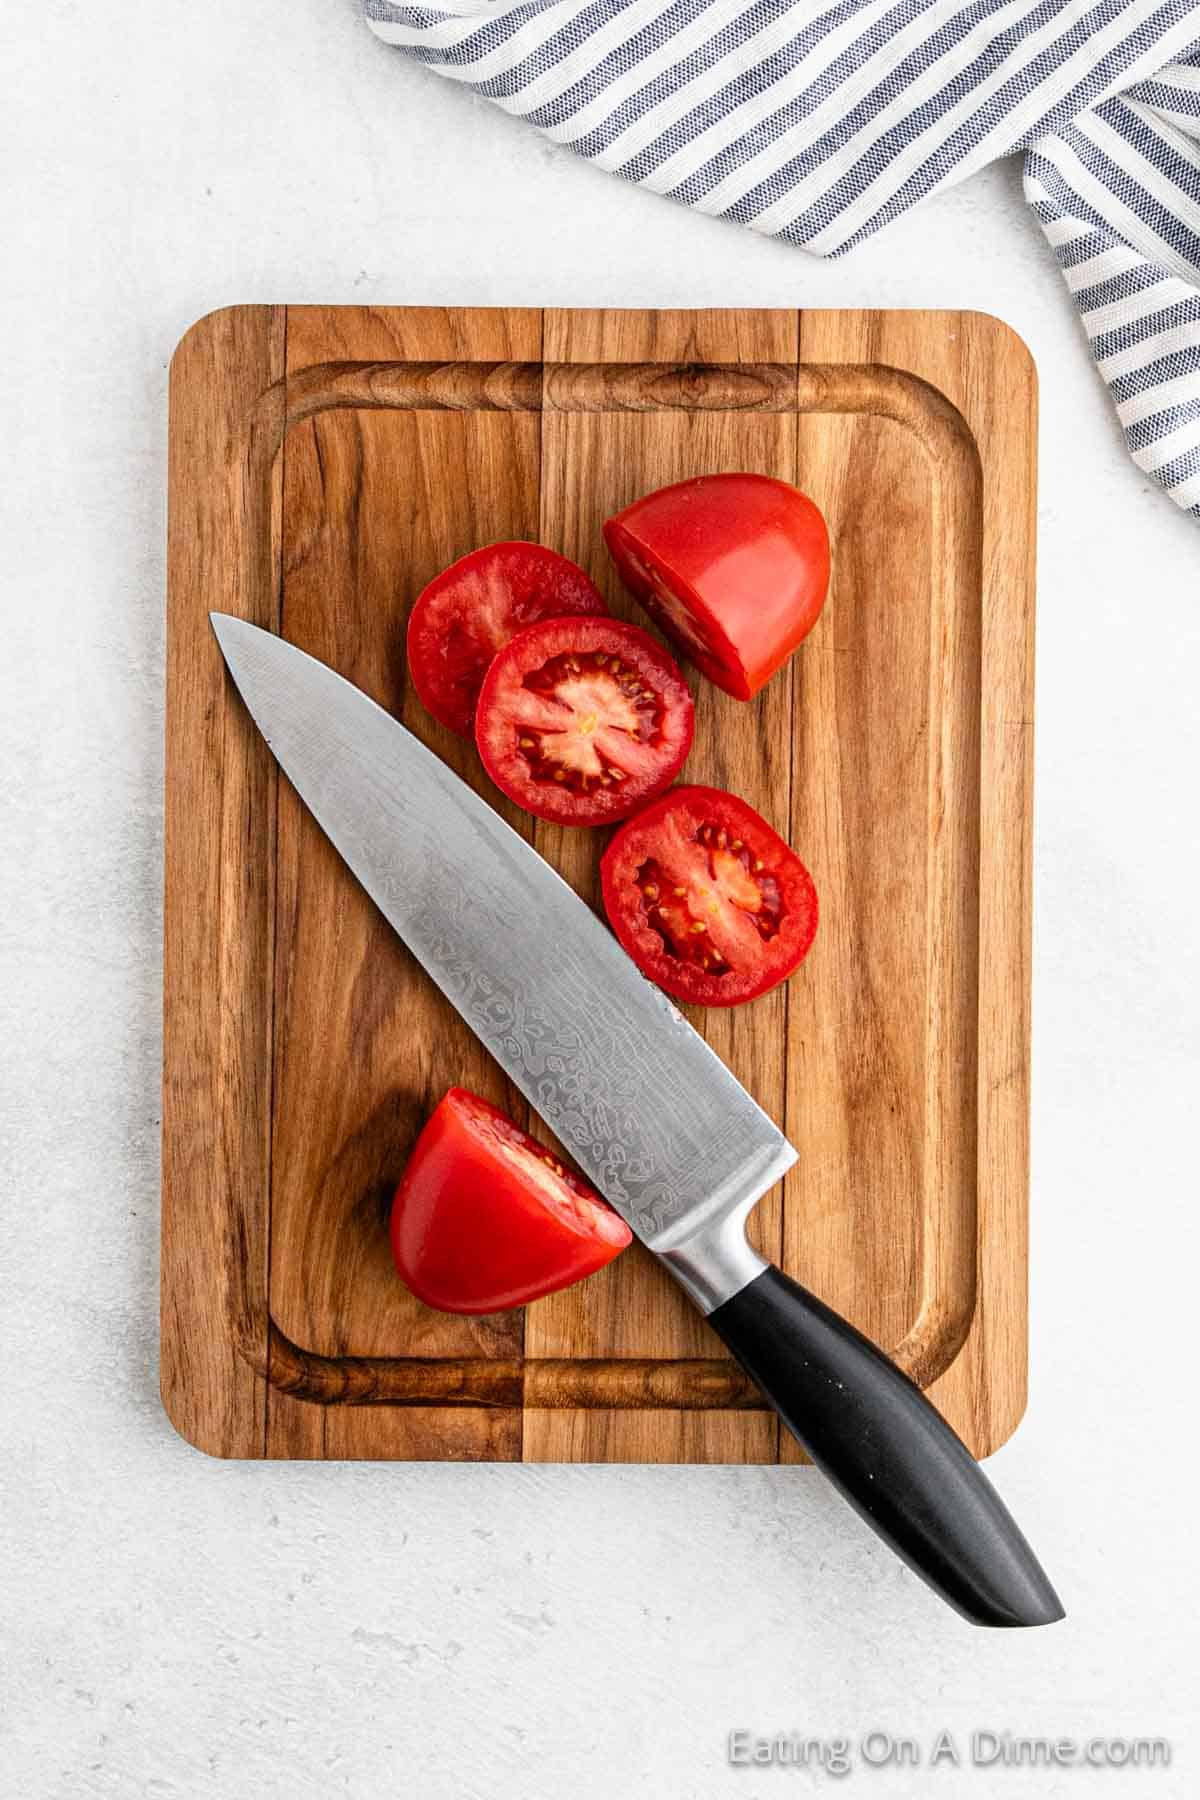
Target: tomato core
604	705
581	719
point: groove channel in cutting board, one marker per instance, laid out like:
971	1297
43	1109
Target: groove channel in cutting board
893	752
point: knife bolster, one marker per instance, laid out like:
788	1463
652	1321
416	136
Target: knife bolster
717	1261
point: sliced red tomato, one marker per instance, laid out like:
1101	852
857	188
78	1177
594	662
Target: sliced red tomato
474	607
732	568
709	901
487	1218
580	720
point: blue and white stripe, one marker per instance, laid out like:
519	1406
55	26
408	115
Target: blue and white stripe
819	123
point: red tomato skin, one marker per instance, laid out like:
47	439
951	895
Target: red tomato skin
471	1233
496	741
746	558
638	938
466	614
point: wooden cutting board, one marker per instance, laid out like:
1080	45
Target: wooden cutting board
324	464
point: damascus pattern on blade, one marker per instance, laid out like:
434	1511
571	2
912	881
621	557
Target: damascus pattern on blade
650	1113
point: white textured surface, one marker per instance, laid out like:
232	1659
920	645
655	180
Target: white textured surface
180	1627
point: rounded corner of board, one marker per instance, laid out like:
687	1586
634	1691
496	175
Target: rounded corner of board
1008	341
197	1434
215	325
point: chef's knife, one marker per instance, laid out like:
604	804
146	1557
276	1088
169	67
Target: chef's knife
650	1113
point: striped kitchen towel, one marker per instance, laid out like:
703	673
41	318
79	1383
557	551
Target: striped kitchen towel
818	123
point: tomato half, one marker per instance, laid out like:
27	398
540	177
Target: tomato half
580	720
487	1218
732	568
474	607
709	901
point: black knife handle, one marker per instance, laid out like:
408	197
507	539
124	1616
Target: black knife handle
888	1451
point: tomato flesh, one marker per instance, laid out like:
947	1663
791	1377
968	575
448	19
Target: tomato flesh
708	899
732	568
471	610
580	720
701	901
486	1218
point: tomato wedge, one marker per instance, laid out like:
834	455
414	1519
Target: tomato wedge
580	720
709	901
487	1218
732	568
473	608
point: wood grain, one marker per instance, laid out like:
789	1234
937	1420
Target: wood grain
325	462
596	463
222	550
369	517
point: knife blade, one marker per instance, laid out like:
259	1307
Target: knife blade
651	1114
